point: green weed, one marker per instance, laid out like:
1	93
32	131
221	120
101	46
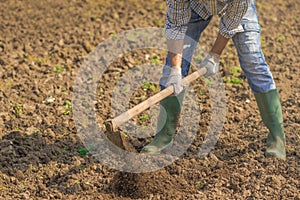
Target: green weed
83	151
63	91
68	104
161	6
235	71
142	97
201	185
114	36
281	38
285	23
149	85
259	5
144	117
159	22
262	41
66	111
21	187
126	88
82	167
155	59
208	82
58	69
233	80
202	92
17	109
199	58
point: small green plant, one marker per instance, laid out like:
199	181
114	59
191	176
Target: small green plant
144	117
114	36
149	85
208	82
259	5
66	111
34	133
125	89
155	59
199	58
285	23
233	80
161	6
21	187
17	109
82	167
68	104
83	151
3	187
281	38
142	97
202	92
58	69
235	71
64	91
159	22
201	185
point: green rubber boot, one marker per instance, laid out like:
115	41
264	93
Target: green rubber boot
271	113
167	121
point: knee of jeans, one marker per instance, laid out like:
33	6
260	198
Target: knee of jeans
251	60
248	47
258	74
261	83
253	64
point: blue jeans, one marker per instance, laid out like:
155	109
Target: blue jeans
248	46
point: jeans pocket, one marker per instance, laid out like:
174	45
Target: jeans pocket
249	39
251	26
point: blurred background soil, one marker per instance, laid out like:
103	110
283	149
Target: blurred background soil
42	46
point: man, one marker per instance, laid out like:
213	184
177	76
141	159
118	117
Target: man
185	21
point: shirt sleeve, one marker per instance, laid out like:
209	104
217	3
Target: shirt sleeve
177	17
232	18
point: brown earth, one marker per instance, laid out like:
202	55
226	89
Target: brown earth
42	46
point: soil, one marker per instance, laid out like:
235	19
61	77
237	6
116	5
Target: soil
42	46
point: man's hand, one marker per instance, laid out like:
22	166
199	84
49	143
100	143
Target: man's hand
172	76
211	63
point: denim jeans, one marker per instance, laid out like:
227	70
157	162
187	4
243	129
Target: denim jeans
247	43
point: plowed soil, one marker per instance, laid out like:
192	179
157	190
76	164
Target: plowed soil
42	46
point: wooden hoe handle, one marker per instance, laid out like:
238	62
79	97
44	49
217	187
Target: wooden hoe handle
113	124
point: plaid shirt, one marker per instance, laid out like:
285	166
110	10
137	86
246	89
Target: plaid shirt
179	13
